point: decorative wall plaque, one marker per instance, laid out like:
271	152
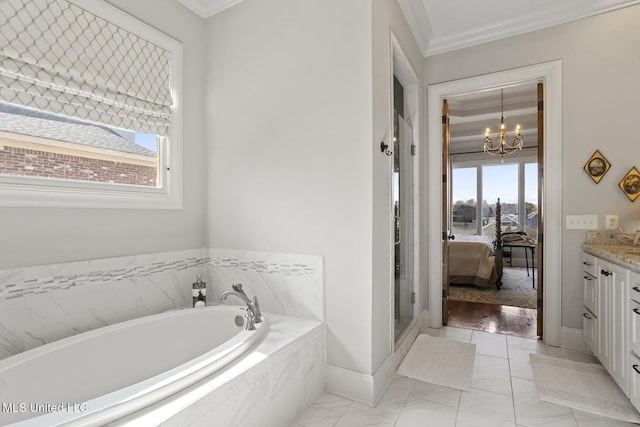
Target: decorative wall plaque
597	166
630	184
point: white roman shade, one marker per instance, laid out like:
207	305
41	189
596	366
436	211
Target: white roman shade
58	57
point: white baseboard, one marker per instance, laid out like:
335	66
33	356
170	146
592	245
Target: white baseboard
349	384
368	389
572	338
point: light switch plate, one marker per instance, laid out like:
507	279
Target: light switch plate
582	222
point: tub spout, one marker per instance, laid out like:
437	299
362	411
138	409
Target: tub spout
242	296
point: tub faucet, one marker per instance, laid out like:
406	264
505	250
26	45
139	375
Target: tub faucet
256	307
254	315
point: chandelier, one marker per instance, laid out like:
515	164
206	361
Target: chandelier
501	144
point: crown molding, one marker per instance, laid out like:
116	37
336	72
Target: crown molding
207	8
415	14
546	13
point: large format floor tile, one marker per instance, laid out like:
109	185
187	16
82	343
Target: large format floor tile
502	394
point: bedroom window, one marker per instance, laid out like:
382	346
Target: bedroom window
514	183
90	108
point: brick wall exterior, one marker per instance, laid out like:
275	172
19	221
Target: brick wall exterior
25	162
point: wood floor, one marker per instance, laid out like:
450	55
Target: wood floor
500	319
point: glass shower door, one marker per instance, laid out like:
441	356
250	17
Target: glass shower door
403	210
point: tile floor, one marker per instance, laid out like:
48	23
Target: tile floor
502	394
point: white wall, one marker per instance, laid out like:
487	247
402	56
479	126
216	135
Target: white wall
600	98
289	132
34	236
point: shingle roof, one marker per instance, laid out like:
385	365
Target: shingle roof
15	120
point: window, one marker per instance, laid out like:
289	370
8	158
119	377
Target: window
90	108
478	178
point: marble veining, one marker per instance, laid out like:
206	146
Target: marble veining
14	285
286	284
270	386
44	303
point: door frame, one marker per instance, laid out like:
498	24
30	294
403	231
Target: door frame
551	74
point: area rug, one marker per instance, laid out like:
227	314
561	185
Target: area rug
440	361
583	386
517	290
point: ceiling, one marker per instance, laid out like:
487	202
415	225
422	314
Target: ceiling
472	113
440	26
443	25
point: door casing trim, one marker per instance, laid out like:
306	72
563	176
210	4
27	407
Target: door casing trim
550	73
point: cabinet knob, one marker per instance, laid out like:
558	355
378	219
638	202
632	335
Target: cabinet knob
635	288
586	315
587	263
636	311
589	278
604	273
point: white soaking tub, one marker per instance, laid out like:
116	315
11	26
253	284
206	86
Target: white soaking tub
99	376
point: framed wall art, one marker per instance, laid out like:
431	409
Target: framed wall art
630	184
597	166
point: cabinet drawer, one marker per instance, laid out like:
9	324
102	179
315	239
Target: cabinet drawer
634	326
634	380
634	286
589	264
590	292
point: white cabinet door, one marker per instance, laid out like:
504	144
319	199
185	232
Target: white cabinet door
617	316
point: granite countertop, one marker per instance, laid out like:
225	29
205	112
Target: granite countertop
614	247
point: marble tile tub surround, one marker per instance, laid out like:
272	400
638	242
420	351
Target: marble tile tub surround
613	247
45	303
287	284
272	386
42	304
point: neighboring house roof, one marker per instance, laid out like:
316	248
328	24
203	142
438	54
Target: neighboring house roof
17	121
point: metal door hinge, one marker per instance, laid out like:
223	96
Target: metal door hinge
413	149
413	297
444	119
445	293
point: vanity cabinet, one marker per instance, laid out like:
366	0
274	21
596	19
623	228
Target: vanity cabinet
606	316
634	338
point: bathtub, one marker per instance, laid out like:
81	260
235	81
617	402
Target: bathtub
99	376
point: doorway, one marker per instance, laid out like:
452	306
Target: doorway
404	215
478	179
403	210
550	73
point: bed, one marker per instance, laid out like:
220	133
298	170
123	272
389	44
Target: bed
477	260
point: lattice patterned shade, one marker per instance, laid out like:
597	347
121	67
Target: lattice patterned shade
57	57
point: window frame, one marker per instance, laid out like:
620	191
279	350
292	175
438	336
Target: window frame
17	191
479	160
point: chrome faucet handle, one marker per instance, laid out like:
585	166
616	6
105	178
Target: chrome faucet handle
238	288
250	320
256	310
